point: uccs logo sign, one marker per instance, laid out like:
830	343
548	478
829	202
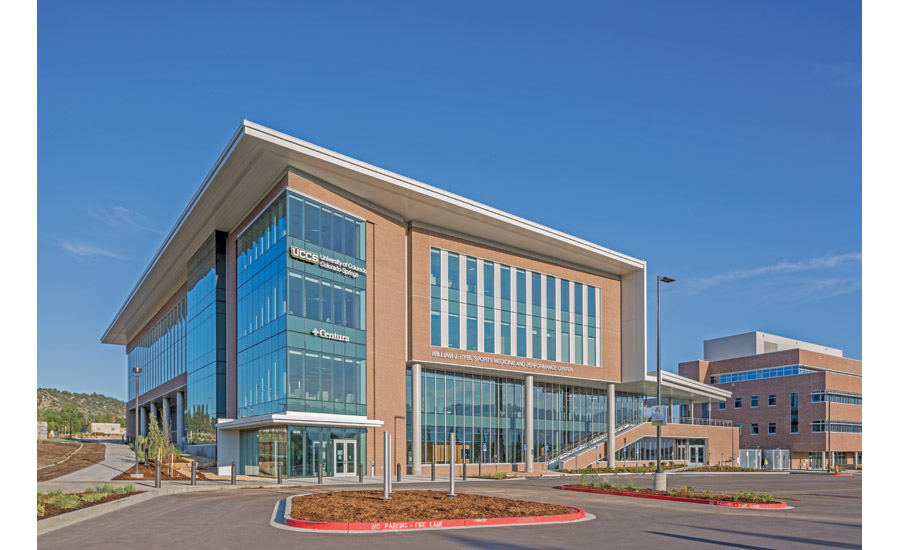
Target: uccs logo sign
304	255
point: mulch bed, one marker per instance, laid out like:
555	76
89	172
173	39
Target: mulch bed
150	472
678	493
51	510
90	454
367	506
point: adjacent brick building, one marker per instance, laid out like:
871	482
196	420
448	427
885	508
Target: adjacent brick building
786	394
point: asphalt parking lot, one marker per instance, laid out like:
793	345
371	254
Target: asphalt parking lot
827	513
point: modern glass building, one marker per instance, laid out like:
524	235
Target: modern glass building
307	302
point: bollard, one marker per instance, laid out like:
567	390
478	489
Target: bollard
373	468
193	473
398	472
387	475
158	480
278	467
452	494
362	471
465	476
432	470
233	473
387	464
320	474
479	469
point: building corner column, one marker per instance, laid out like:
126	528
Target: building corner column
143	421
611	426
153	412
179	420
416	419
529	423
165	418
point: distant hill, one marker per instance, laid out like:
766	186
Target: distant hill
53	404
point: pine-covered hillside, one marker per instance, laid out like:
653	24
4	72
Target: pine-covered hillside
61	408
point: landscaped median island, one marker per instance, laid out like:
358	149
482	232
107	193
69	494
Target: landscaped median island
54	503
742	499
347	511
723	468
636	469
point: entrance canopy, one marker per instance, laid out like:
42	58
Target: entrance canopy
292	418
676	387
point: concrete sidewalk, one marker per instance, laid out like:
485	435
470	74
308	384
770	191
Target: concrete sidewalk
119	457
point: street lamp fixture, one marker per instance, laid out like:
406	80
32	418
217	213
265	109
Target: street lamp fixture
136	371
659	478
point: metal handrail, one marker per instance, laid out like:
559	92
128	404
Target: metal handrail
595	439
702	422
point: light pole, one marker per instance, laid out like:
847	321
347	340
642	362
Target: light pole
136	371
659	478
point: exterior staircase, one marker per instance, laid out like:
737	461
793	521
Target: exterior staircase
559	458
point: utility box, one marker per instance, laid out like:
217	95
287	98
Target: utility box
777	459
750	458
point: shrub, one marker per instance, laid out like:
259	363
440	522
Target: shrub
708	494
106	488
94	497
630	485
129	488
605	482
40	509
766	497
67	501
689	490
120	490
671	492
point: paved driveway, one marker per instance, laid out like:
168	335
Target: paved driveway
827	514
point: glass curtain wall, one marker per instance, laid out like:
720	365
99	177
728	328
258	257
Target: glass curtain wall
564	415
300	449
284	302
487	415
496	308
644	450
205	341
485	412
161	352
262	283
326	375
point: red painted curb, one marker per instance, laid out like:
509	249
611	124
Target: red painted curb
428	524
842	474
726	503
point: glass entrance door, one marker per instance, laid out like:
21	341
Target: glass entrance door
344	457
696	454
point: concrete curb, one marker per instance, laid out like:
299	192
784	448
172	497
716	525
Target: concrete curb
71	518
711	502
780	472
420	525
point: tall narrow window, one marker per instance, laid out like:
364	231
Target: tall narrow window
795	412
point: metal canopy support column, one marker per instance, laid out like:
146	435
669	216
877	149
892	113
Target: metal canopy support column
153	413
611	426
416	419
529	423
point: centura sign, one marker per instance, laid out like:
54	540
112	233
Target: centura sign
330	335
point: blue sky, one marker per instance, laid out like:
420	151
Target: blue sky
721	142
